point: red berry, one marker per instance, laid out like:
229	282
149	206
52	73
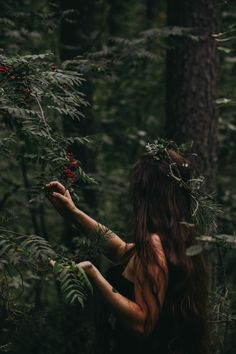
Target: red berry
53	67
73	163
4	69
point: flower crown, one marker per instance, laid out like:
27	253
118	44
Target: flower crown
204	209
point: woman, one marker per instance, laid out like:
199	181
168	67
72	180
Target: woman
158	294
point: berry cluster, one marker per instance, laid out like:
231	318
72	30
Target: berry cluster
71	171
19	74
4	69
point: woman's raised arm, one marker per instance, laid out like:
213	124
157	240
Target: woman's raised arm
61	199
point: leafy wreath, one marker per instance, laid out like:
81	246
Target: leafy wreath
204	208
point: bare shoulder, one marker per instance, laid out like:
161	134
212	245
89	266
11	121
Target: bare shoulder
156	242
133	265
158	247
155	238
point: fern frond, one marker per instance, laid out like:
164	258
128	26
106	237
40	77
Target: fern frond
74	282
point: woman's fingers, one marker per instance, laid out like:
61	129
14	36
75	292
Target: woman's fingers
52	262
59	196
85	265
67	194
58	186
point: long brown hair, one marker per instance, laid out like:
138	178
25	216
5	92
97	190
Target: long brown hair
163	207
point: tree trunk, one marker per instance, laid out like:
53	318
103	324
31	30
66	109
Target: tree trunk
191	91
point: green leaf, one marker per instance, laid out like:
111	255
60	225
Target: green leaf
194	250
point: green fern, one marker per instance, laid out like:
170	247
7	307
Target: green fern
16	248
75	284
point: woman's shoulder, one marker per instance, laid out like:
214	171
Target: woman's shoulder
132	259
159	249
156	245
131	262
155	239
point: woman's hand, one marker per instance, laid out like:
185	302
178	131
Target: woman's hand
61	199
87	266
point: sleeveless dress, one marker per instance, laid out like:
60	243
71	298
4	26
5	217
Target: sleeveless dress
113	337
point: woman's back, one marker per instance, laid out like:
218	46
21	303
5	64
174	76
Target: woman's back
114	338
174	333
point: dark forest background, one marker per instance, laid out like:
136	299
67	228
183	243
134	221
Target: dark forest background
99	79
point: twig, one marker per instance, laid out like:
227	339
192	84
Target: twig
223	238
43	117
28	195
232	319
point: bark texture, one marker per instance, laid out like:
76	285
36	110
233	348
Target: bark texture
191	91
